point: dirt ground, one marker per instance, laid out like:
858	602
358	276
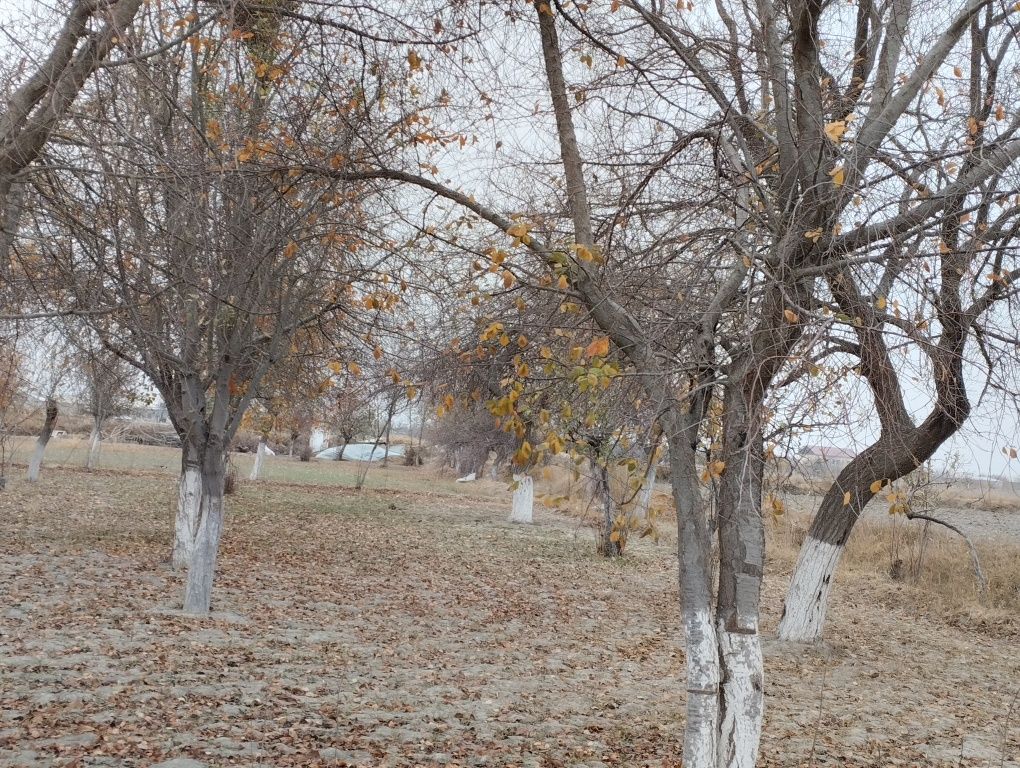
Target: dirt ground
419	628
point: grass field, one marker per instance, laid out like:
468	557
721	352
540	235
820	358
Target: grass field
409	624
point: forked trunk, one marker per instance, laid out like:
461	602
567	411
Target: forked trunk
198	590
92	456
741	565
260	456
44	437
189	502
725	670
523	500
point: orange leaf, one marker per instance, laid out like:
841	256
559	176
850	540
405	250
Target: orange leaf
598	348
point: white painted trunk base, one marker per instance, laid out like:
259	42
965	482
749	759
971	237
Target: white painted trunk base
92	457
189	503
744	697
198	589
808	595
260	456
524	499
644	500
701	732
36	463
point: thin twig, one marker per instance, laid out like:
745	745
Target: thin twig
975	561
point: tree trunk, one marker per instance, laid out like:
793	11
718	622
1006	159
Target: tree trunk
694	543
523	500
886	460
644	500
260	456
189	502
92	456
386	448
343	448
198	590
741	566
44	437
608	547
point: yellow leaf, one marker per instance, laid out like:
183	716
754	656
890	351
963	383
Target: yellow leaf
957	71
519	232
508	278
835	130
941	96
377	352
523	453
413	60
814	235
621	61
881	303
838	174
336	367
291	250
563	283
791	316
877	486
846	499
522	341
972	126
1000	112
545	353
354	368
412	393
1012	453
614	536
598	348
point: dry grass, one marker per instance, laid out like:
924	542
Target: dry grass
928	570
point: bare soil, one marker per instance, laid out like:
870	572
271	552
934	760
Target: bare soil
420	628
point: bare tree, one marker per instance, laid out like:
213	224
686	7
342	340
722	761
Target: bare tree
88	34
203	247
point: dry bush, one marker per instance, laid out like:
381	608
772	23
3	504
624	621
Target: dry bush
414	456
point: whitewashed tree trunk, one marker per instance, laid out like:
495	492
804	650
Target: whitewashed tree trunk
92	456
523	499
189	503
743	691
644	500
808	594
198	589
260	456
44	437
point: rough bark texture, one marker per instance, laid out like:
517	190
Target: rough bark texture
198	590
44	437
189	506
523	499
603	492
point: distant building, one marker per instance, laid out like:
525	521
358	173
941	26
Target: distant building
823	459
